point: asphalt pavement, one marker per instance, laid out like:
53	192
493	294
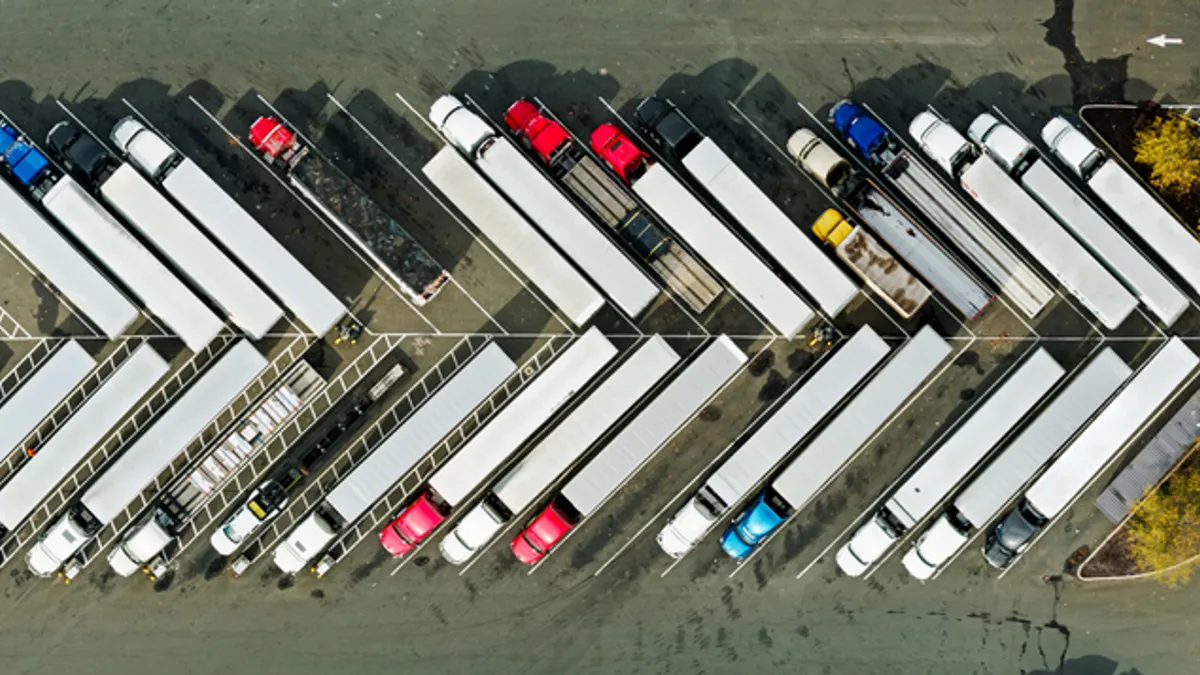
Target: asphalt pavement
602	605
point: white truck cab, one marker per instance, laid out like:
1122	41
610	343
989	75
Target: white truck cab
59	543
304	543
137	550
264	503
1071	146
1001	142
474	531
942	142
147	151
462	127
821	161
866	546
934	548
687	526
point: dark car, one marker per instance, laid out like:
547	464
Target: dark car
667	126
1011	535
79	151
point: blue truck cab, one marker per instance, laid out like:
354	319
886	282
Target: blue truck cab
26	163
758	520
861	131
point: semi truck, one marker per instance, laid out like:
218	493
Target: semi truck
759	450
629	449
194	255
521	485
413	439
952	460
1143	214
144	544
873	263
72	441
271	496
820	459
122	481
1017	156
996	485
503	435
516	238
147	278
1089	452
572	166
531	192
39	392
393	250
760	217
745	273
218	213
941	207
45	248
1028	223
900	231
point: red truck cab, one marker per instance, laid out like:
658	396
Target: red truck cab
411	526
544	532
545	136
627	159
270	137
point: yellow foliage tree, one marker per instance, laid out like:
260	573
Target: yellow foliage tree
1165	531
1170	146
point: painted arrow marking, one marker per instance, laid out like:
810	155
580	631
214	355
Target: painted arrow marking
1163	40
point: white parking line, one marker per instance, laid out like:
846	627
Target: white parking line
145	120
833	202
351	246
362	127
1113	460
649	148
308	207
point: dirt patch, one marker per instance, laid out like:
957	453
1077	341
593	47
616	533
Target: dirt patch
1118	127
1112	560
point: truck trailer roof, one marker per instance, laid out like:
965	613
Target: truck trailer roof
41	391
799	414
634	444
171	431
420	432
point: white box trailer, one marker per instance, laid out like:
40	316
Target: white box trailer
41	391
521	417
193	254
798	255
65	268
216	211
1019	158
623	281
1090	451
951	462
622	456
150	453
765	446
76	437
1174	242
820	459
782	307
412	440
980	501
560	448
513	235
142	273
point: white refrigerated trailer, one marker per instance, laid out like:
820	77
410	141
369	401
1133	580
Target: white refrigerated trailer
413	439
142	273
218	213
123	480
514	236
771	228
950	462
988	492
761	449
76	437
560	449
41	391
496	156
1023	162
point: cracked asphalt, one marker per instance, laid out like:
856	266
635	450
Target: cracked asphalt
1031	58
